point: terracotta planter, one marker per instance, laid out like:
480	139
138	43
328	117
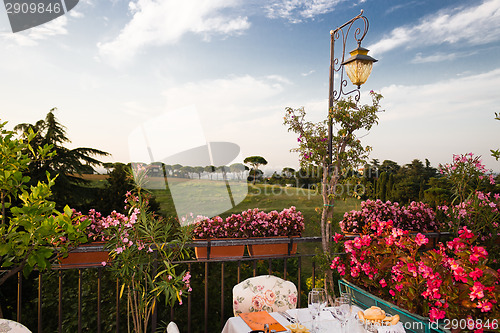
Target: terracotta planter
272	250
86	255
226	251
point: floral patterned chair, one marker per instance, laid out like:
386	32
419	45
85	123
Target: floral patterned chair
11	326
264	293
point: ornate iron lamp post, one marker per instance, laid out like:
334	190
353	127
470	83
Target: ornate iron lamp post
358	67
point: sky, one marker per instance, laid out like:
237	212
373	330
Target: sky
127	75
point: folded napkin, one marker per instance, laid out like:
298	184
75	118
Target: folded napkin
257	320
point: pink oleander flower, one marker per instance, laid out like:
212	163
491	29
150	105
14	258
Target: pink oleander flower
383	283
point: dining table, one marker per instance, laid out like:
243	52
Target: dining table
326	323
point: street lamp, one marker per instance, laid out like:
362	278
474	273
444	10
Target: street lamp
358	67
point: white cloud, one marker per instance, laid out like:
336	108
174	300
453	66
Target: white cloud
436	57
438	120
32	36
473	92
159	22
297	10
76	14
308	73
469	25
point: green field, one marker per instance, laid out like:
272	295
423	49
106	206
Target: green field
262	196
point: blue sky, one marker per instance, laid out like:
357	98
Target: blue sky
111	66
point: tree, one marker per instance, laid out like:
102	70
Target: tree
66	163
199	170
238	169
347	151
288	172
210	169
255	162
382	187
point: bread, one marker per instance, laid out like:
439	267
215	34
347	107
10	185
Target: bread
376	315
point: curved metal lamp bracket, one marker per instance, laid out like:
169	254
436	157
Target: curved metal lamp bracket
336	63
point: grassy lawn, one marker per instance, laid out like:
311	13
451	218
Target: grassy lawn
262	196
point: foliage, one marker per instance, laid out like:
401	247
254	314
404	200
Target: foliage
479	213
347	151
417	216
453	281
466	174
66	163
118	183
143	249
30	232
12	165
252	223
403	184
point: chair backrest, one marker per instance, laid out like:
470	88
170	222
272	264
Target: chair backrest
172	328
11	326
264	293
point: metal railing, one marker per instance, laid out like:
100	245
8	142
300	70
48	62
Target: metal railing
202	313
47	302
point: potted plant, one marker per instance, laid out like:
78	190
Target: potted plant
288	223
93	252
215	228
252	223
452	283
143	249
415	217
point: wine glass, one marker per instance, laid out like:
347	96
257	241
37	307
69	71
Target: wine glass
314	301
342	310
323	298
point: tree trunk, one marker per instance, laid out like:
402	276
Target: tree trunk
328	186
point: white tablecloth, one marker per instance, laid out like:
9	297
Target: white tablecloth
327	322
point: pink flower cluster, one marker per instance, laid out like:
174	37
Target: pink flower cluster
103	228
464	163
453	281
252	223
417	216
479	213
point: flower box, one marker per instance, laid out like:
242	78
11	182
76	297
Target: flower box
273	249
412	323
86	255
218	252
252	224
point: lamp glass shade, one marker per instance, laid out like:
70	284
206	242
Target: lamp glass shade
359	71
359	66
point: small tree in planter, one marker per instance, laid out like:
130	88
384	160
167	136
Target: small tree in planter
347	150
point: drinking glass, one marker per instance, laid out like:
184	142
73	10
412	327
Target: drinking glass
314	301
342	310
323	298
